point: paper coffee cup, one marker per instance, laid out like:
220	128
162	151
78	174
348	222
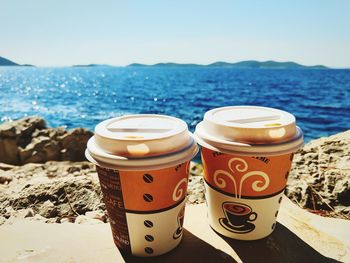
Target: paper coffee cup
143	166
247	153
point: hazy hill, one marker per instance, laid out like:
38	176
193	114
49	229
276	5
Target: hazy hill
253	64
7	62
241	64
92	65
165	65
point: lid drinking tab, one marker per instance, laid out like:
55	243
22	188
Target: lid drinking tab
142	128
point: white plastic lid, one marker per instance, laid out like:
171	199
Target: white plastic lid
249	129
141	140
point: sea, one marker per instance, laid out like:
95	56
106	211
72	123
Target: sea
83	96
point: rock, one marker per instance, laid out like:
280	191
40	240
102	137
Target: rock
9	151
74	144
98	214
28	140
53	220
24	127
196	169
22	213
7	211
2	220
49	132
195	192
343	194
48	209
5	177
73	169
6	167
15	134
29	213
8	130
44	189
66	220
40	150
320	176
81	219
86	220
38	217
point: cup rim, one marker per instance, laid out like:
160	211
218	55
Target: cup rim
231	147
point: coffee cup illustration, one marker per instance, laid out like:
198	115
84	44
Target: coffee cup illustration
180	221
238	217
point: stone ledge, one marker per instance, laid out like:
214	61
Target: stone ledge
299	237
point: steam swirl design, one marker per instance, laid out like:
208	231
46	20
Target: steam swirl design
257	185
242	166
179	192
188	165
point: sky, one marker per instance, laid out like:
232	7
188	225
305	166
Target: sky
68	32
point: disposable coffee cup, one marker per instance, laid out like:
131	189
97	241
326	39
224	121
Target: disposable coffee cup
246	153
142	163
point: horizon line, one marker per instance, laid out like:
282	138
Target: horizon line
172	62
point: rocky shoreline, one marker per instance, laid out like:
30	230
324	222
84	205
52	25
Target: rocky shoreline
29	140
320	176
54	184
58	192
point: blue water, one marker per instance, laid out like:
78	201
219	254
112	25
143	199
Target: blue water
82	97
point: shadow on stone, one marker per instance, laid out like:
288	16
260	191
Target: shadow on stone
281	246
191	249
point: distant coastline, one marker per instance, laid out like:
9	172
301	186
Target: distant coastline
253	64
247	64
7	62
91	65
